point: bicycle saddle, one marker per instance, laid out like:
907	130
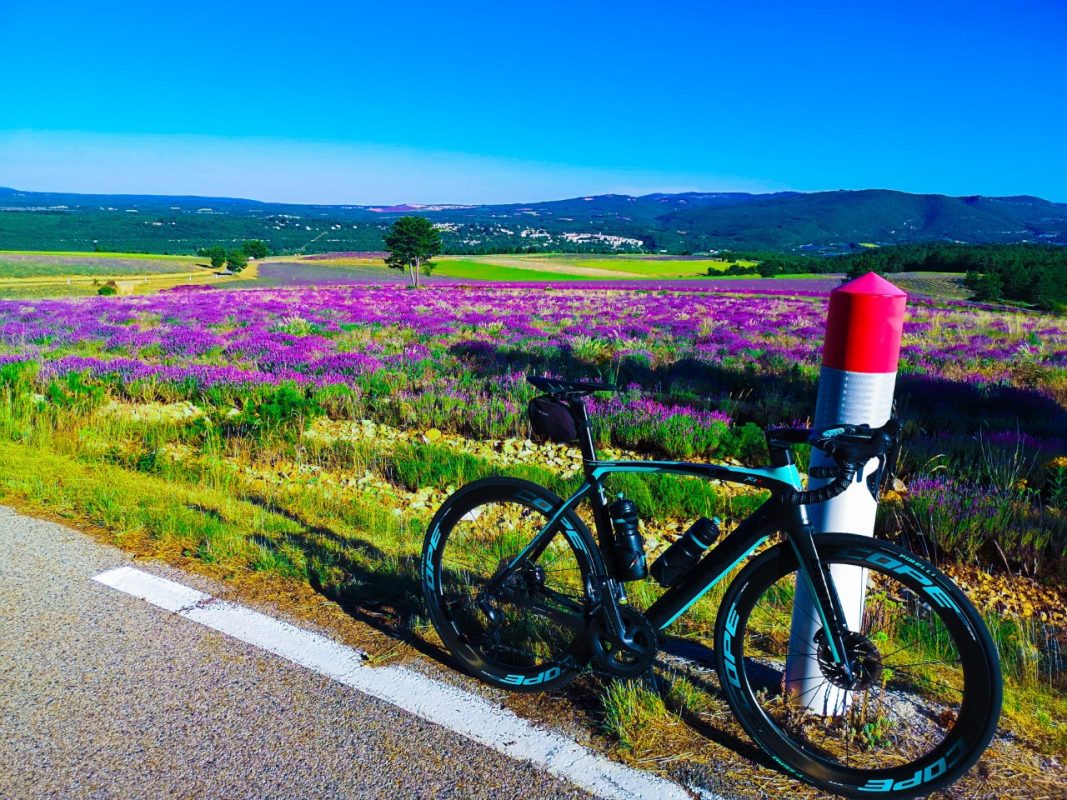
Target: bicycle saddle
561	388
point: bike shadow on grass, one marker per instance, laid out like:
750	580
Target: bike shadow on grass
489	359
379	590
702	658
385	593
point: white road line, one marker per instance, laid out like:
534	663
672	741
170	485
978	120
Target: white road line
468	714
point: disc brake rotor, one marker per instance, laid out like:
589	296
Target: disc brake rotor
863	656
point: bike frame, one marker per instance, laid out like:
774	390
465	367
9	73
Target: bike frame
772	516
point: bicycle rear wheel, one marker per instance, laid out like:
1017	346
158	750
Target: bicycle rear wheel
526	633
926	693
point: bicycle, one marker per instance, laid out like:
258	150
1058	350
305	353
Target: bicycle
526	598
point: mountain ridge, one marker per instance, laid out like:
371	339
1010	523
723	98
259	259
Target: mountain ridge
654	222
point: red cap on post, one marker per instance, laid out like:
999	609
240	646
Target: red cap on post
864	325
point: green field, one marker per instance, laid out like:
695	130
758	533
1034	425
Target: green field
554	267
470	269
27	275
100	254
43	291
947	285
633	266
569	266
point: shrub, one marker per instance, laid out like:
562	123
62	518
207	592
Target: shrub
285	408
986	525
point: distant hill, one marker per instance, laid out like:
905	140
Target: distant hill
877	216
687	222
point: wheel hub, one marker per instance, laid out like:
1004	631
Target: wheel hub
526	582
863	658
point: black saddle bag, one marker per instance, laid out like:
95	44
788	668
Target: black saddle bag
552	419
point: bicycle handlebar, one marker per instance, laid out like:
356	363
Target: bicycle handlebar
850	446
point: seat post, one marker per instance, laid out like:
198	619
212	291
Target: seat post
598	499
585	431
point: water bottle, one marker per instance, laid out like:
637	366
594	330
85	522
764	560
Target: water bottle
629	546
681	555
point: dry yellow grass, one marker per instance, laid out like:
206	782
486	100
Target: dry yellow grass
126	283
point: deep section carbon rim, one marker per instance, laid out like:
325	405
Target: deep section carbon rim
925	694
524	632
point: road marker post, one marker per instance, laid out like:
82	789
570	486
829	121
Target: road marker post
864	325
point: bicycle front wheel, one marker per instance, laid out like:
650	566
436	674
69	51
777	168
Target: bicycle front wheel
925	694
524	631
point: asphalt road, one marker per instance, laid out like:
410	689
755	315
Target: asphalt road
105	696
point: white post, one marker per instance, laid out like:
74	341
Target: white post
859	371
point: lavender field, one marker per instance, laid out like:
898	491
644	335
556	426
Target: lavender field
338	419
977	386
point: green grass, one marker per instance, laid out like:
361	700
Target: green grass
633	715
575	267
630	266
44	291
416	465
28	276
142	512
1032	703
485	271
205	517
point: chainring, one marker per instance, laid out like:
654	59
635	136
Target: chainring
626	660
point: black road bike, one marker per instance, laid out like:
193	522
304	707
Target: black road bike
897	704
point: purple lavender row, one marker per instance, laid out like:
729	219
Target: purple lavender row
435	341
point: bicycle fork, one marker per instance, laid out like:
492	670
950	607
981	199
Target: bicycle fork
819	583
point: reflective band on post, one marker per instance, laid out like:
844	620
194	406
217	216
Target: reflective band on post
863	330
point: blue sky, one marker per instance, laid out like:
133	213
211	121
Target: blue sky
491	102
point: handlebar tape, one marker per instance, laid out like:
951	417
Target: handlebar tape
815	496
824	472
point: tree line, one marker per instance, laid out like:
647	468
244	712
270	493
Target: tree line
234	259
1028	273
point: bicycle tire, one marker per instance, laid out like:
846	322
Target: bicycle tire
911	602
479	527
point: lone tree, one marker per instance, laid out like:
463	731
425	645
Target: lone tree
236	260
217	254
256	248
412	242
770	267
